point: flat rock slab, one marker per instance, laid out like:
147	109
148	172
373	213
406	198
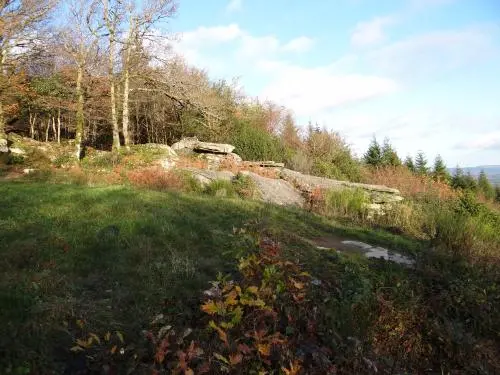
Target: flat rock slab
276	191
216	148
193	144
308	183
265	164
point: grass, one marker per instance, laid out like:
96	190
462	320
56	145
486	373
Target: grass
115	256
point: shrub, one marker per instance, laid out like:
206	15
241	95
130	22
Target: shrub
246	187
102	159
350	203
256	144
221	188
158	179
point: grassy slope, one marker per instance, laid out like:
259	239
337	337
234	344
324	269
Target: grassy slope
116	256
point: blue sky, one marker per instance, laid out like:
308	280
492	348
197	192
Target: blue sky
425	73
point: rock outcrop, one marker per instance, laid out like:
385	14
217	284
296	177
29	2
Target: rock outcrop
193	144
276	191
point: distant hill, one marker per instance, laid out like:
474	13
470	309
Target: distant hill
492	171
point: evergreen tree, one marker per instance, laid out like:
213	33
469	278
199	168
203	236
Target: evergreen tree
497	193
421	164
373	155
458	179
485	187
409	164
389	156
470	182
440	172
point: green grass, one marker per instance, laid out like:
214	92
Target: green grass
115	256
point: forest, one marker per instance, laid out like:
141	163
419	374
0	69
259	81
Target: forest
114	264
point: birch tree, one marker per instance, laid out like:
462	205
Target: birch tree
20	22
80	45
140	24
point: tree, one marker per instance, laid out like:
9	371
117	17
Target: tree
485	187
409	164
289	133
389	156
373	155
421	164
497	193
140	23
439	171
20	29
80	45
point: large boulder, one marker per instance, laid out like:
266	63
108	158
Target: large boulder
276	191
308	183
193	144
216	148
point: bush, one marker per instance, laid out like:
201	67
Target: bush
347	203
159	179
221	188
256	144
246	187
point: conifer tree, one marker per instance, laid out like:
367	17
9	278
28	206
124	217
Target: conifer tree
421	164
409	164
373	156
389	156
440	172
485	187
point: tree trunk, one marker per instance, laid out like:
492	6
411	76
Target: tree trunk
125	112
54	133
32	124
112	84
47	131
3	137
59	125
79	113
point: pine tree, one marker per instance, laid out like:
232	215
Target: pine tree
458	179
389	156
409	164
470	182
440	172
485	187
421	164
373	155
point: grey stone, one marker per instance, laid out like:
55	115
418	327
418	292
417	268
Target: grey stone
216	148
194	144
3	146
266	164
276	191
185	143
204	177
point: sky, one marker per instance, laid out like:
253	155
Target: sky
424	73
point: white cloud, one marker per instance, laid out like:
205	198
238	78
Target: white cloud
300	44
311	90
370	32
486	141
234	6
429	54
207	36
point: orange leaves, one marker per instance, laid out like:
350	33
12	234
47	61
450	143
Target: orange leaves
264	349
222	334
294	369
235	359
210	307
